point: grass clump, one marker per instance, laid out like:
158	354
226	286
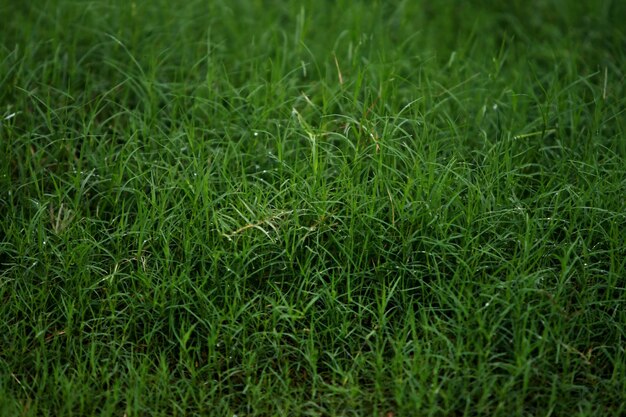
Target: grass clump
347	208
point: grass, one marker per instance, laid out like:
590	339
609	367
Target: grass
325	208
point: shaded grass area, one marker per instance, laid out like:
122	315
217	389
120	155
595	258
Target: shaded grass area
330	208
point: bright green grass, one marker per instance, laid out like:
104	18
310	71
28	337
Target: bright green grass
323	208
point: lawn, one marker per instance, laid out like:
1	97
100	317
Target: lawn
315	208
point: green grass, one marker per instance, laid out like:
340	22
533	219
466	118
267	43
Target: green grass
345	208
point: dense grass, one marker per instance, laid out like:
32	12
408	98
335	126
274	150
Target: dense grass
320	208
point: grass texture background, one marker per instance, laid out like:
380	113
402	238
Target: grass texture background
261	208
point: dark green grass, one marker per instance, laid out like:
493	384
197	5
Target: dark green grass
330	208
